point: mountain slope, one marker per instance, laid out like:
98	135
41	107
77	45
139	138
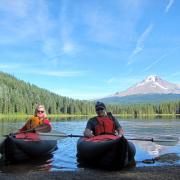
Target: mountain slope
151	85
17	96
151	90
136	99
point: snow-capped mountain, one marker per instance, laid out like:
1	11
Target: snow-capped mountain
151	85
151	90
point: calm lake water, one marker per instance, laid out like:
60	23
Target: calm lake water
64	158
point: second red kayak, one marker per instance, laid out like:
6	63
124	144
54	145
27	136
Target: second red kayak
105	151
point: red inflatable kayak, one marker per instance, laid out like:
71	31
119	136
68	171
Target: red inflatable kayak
105	151
25	146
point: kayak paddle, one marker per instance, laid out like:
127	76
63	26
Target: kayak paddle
33	130
161	140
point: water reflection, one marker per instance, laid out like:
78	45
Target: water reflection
42	164
64	158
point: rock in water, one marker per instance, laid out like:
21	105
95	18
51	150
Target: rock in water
168	158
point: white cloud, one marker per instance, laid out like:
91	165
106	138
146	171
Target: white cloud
176	77
32	22
24	20
112	25
170	3
77	94
68	43
122	83
175	74
115	80
57	73
68	47
50	46
4	66
18	8
23	69
9	66
55	61
155	62
140	43
161	58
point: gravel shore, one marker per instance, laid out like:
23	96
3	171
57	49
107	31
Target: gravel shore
142	173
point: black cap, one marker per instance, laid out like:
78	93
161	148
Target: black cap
100	105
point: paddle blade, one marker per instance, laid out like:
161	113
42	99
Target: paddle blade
161	140
52	136
56	135
166	140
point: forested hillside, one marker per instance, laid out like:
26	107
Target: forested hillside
17	96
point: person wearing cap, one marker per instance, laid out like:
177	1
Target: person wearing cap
103	123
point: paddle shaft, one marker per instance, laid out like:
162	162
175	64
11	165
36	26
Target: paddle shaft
26	131
150	139
72	135
59	135
135	139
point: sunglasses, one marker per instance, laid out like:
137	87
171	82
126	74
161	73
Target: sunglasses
99	109
40	111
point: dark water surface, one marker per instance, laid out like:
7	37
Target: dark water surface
64	158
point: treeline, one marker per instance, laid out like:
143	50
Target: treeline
16	96
137	110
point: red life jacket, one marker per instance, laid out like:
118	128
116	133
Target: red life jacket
34	122
105	125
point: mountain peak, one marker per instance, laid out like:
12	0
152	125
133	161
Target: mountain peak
151	89
153	84
152	78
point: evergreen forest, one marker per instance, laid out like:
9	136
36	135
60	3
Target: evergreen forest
19	97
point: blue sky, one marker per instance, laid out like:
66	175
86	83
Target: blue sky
87	49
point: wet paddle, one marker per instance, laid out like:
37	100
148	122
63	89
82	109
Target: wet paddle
162	140
33	130
54	135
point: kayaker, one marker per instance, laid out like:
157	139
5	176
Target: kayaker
103	123
38	122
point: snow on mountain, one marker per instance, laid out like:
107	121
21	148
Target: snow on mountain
151	85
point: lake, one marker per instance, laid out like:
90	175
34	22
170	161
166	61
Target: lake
64	158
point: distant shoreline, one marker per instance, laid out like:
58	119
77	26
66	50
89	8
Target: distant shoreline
22	116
